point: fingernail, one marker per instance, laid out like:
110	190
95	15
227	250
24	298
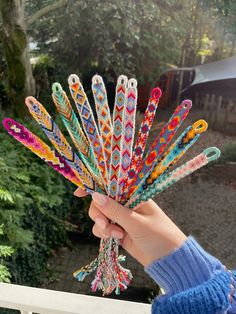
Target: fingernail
117	234
76	192
100	199
101	223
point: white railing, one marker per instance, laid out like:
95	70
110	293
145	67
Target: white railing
34	300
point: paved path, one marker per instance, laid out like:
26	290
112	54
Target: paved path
68	261
207	211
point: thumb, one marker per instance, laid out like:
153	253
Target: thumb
80	193
123	216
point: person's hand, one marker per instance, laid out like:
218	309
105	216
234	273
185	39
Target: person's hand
146	233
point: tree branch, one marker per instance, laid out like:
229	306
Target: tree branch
45	10
166	6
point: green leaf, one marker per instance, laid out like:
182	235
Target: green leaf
6	196
23	177
6	251
5	275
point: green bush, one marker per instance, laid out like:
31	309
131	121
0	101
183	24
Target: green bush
35	203
5	251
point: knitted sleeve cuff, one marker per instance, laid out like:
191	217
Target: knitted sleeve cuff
187	267
212	297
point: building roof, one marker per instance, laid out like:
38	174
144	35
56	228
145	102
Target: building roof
215	71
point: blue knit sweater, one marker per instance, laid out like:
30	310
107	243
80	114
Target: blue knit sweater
193	281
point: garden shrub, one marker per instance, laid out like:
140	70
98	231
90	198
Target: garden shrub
5	251
35	203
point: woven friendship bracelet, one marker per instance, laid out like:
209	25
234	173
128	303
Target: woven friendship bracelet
172	155
160	185
71	122
104	116
117	138
108	263
89	124
141	141
158	146
128	131
60	143
84	271
106	280
37	146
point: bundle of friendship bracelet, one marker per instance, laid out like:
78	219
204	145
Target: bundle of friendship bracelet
104	157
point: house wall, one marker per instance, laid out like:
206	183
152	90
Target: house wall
224	88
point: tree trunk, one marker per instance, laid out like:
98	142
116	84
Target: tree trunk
15	45
45	10
233	47
195	22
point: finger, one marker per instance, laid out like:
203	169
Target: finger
125	217
96	231
96	215
111	230
102	223
148	208
80	193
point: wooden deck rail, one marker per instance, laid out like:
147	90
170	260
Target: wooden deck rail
34	300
